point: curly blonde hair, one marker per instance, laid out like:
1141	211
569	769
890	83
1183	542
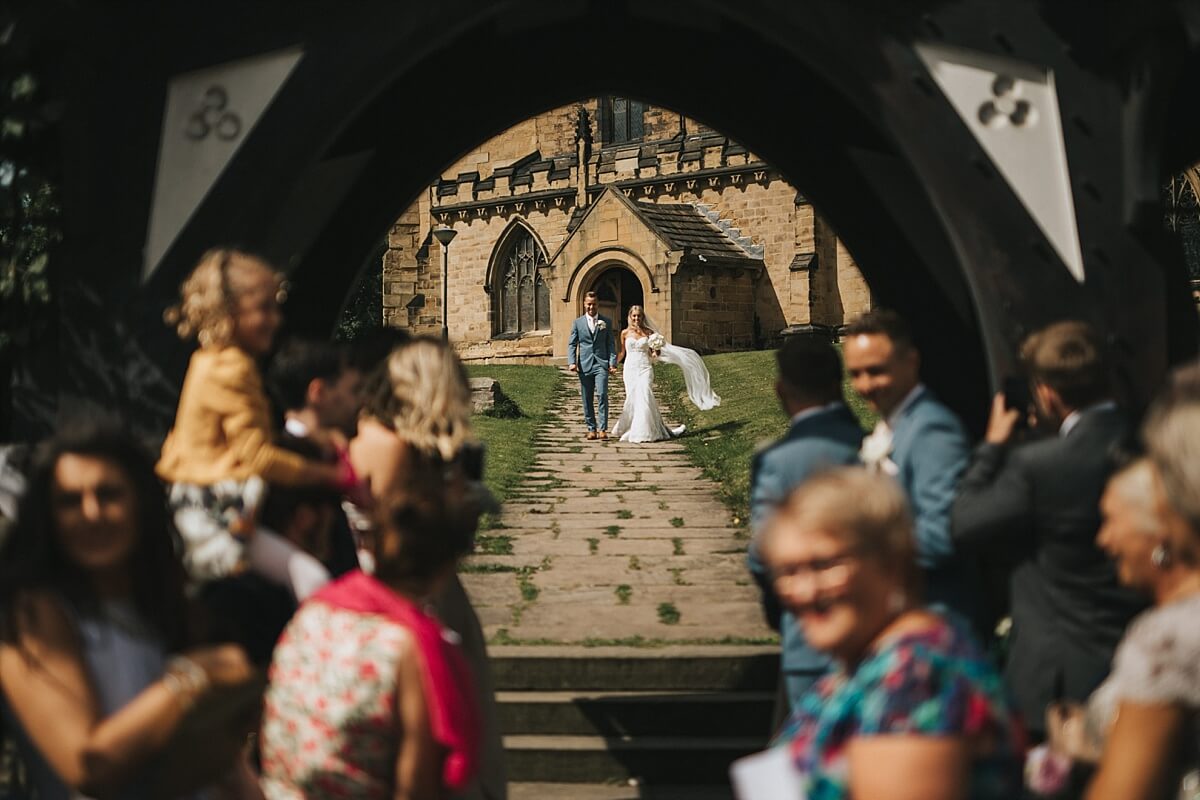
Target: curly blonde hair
423	395
207	298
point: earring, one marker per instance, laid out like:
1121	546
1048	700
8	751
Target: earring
896	602
1160	556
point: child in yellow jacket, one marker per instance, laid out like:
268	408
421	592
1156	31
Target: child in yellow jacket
220	450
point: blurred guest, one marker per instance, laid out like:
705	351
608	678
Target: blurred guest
320	391
247	608
370	347
1036	504
1148	711
917	441
368	697
221	449
12	484
822	433
12	478
912	708
91	611
417	420
368	352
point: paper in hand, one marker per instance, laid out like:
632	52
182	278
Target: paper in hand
769	775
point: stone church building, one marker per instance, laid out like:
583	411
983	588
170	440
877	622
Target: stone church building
635	202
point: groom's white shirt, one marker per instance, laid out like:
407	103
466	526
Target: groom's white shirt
591	321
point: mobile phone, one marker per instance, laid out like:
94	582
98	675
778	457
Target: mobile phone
1017	395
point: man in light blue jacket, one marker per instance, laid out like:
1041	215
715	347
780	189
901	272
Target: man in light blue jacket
919	442
822	434
593	337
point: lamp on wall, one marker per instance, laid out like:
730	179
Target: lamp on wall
445	235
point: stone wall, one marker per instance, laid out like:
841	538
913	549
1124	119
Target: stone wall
768	213
661	123
483	193
531	349
471	304
714	309
406	287
852	286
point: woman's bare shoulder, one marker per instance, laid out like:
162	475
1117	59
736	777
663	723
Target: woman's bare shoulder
42	620
375	437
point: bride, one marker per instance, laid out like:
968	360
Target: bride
640	418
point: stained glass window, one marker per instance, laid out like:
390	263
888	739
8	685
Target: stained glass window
524	302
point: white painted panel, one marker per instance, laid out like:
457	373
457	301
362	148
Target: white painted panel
209	113
1011	107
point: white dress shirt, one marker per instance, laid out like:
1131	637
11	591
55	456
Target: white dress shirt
1073	418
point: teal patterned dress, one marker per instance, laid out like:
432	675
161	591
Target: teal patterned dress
931	682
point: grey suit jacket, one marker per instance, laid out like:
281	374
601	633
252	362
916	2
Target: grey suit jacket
822	441
929	446
597	351
1036	506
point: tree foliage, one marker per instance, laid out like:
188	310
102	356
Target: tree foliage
30	215
363	310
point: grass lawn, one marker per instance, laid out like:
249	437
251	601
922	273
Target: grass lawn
722	441
508	434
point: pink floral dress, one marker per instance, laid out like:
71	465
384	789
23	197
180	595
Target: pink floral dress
330	724
330	728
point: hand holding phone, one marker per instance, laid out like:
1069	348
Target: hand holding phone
1017	396
1003	421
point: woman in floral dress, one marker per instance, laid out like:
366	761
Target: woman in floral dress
369	697
912	708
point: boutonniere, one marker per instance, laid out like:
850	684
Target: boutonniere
876	449
600	325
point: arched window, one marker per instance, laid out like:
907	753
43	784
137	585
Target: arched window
523	302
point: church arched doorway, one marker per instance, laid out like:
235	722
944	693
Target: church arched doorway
617	290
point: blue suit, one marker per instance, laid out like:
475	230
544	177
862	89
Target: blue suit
828	438
597	354
929	446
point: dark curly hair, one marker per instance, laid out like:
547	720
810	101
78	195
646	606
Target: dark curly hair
32	560
422	529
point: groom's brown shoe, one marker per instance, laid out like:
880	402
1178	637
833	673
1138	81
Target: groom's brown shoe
591	435
603	436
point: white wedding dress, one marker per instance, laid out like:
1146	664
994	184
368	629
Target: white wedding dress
640	419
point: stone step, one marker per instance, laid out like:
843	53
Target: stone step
649	760
696	668
667	713
626	790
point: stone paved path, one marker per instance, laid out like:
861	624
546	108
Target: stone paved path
613	542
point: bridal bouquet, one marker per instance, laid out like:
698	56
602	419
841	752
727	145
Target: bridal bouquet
656	343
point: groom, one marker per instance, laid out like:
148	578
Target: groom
592	334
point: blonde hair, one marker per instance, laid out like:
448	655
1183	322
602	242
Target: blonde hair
642	311
430	403
1171	432
207	298
1137	485
863	508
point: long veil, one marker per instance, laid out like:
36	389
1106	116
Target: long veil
695	374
